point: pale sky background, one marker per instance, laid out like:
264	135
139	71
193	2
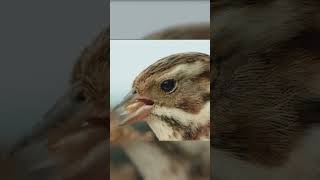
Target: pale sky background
130	57
135	19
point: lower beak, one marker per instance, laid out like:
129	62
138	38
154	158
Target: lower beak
62	110
132	109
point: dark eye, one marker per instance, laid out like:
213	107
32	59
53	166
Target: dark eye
80	96
168	85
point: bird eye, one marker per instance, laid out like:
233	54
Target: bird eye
168	85
80	96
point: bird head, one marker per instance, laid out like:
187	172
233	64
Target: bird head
79	118
90	82
173	95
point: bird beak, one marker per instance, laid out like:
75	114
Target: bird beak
132	109
64	109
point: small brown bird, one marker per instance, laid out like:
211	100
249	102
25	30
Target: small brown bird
81	116
77	125
265	89
173	95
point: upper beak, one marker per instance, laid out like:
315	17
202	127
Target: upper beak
133	108
63	110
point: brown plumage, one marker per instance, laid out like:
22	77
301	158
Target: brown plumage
180	165
265	88
77	125
87	131
190	31
183	160
182	113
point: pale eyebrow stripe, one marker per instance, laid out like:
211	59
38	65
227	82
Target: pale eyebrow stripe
191	69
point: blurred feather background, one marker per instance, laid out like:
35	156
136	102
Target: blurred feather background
40	42
135	19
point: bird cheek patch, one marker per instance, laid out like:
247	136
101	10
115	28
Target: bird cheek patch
188	106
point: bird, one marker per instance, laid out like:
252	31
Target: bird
78	119
173	96
85	120
265	89
192	162
187	31
76	127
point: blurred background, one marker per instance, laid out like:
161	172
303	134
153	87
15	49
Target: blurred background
134	19
40	41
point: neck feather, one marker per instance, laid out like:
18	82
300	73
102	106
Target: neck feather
175	124
143	156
